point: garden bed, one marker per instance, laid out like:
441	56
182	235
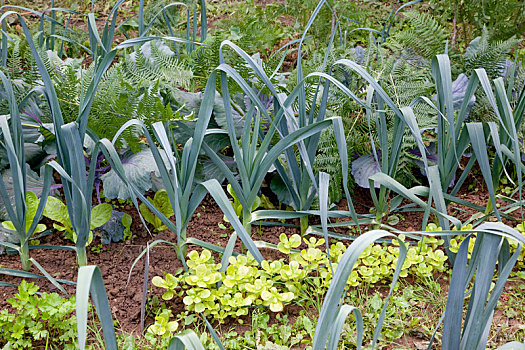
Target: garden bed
306	174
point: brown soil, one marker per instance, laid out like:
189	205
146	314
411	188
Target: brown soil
116	259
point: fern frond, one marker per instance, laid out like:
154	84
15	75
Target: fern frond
424	35
482	53
172	71
144	69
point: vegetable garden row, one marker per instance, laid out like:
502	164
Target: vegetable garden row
342	158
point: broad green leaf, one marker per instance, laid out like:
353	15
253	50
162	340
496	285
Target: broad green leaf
56	210
100	214
147	214
162	202
32	202
8	225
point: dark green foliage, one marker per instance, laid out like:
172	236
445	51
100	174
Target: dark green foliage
255	28
329	161
489	54
173	14
503	18
15	67
38	319
423	35
206	58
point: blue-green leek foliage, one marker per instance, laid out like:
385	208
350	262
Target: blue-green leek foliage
71	164
460	330
256	155
333	313
454	136
12	139
474	278
296	173
90	281
192	22
388	150
506	142
177	170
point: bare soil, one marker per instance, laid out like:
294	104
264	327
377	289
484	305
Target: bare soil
115	259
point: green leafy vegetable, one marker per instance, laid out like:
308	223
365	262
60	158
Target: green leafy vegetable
57	211
161	201
32	202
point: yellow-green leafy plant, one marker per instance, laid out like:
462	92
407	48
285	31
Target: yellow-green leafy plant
237	205
203	275
163	327
169	282
230	292
286	244
32	202
161	201
57	211
275	299
519	271
208	288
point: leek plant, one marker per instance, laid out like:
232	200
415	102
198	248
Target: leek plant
454	136
471	330
256	155
388	150
90	281
177	170
505	139
297	173
21	216
71	164
191	22
491	248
